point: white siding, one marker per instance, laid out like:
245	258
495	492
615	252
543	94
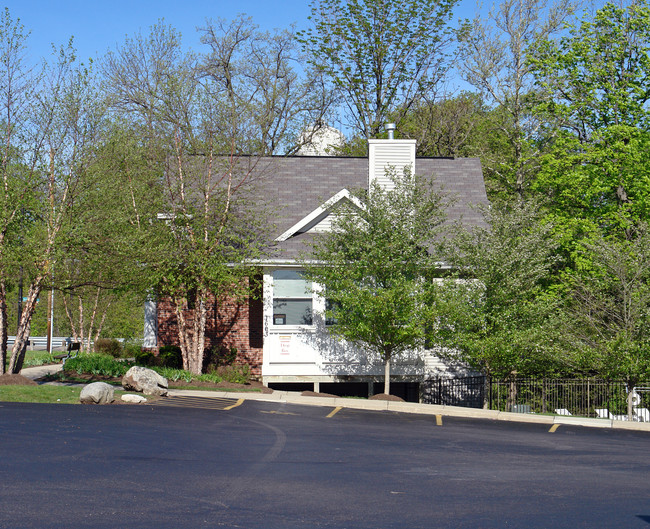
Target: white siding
383	154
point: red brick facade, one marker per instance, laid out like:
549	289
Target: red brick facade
229	324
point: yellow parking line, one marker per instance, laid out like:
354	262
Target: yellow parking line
238	403
334	411
553	428
438	420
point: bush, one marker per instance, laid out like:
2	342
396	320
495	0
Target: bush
97	364
144	358
237	374
174	375
132	348
108	346
218	356
171	356
210	377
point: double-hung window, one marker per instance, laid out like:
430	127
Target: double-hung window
292	298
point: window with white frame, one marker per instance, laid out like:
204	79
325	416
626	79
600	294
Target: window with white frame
292	298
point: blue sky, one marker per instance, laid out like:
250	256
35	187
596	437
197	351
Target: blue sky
98	25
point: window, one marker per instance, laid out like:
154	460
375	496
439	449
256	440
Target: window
331	306
292	298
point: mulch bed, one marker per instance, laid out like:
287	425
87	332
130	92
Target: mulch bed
384	396
16	380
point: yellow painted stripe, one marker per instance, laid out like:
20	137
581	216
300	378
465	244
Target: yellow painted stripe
238	403
553	428
438	420
334	411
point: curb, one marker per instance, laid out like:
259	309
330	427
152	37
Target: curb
289	397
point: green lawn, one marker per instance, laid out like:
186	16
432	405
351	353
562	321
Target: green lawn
35	358
45	394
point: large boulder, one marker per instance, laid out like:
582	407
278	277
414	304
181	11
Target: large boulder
97	393
145	380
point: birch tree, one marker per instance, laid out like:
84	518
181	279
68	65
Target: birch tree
63	121
195	135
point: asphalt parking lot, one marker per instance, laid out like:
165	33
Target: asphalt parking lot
272	464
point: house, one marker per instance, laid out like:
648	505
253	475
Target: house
282	333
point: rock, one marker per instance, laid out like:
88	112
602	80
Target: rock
134	399
97	393
145	380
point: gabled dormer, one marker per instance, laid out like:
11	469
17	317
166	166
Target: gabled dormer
320	219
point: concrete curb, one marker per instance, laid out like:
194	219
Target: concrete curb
289	397
420	409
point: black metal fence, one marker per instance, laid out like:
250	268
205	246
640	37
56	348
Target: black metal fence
584	397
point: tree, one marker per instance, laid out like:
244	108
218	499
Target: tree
495	308
595	77
18	182
192	138
381	56
494	59
105	247
375	266
49	118
263	85
595	85
609	308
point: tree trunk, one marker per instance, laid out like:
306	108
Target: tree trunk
20	345
4	333
387	374
512	391
191	331
73	327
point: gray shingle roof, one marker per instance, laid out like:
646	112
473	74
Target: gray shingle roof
296	186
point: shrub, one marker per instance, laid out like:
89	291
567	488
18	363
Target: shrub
132	348
171	356
173	374
97	364
210	377
144	358
237	374
108	346
39	359
218	356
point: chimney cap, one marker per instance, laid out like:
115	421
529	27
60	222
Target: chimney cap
390	127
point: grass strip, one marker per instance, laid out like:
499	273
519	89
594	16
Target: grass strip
46	394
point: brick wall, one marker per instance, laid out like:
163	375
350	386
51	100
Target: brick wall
229	324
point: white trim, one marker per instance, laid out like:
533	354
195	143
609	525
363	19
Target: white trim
305	221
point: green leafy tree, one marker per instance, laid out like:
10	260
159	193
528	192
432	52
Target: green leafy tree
53	121
375	266
495	306
609	309
596	75
595	85
381	56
